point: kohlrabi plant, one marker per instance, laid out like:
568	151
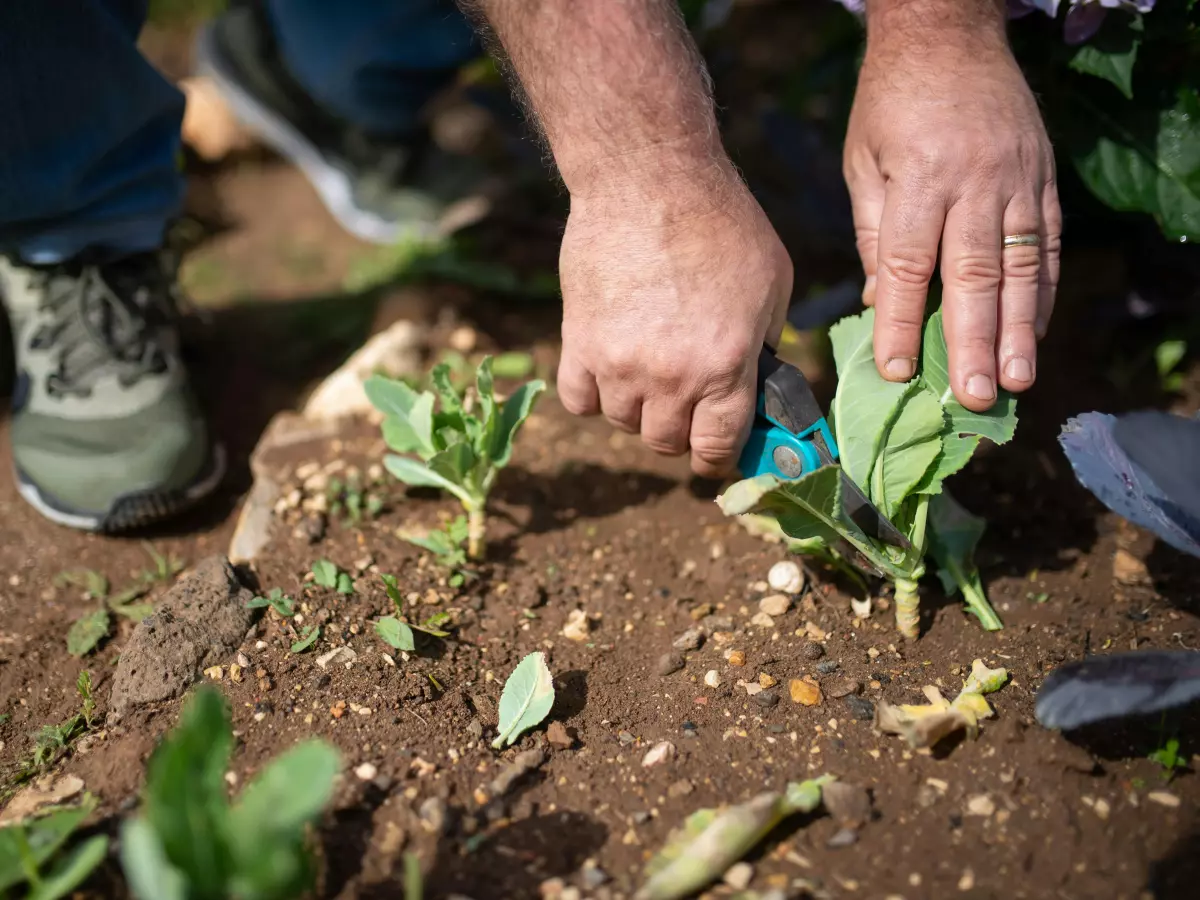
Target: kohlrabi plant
898	442
189	842
461	445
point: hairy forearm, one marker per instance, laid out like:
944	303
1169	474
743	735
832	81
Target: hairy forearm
615	85
918	22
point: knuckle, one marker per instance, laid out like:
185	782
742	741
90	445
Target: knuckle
909	267
977	270
1022	265
713	450
665	445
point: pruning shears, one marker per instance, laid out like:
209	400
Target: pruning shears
790	438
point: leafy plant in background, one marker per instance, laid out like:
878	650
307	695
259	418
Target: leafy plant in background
27	847
448	548
1167	357
898	442
462	446
327	575
397	631
190	843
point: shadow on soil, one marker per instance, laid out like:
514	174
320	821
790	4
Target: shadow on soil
1175	877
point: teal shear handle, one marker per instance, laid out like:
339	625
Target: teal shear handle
790	436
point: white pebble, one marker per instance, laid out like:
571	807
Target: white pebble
712	678
786	576
660	753
366	772
762	620
861	607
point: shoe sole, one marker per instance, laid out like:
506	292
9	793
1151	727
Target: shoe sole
129	511
332	184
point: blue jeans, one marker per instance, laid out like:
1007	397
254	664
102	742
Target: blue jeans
89	131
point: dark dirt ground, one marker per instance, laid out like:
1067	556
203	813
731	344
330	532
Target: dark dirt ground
587	519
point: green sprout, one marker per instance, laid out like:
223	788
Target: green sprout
448	548
277	600
396	631
462	446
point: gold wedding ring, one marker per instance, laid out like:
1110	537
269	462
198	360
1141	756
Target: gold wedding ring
1021	240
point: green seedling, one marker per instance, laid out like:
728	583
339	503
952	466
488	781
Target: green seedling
90	629
898	442
712	840
277	600
189	842
351	500
396	631
1168	757
328	575
448	547
461	447
526	700
94	584
165	568
1167	357
414	886
30	853
307	638
52	741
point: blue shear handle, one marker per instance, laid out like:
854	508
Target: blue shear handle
758	456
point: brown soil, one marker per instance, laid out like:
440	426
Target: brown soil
587	519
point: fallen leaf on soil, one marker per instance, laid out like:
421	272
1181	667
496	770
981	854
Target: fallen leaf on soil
39	795
924	726
712	840
526	699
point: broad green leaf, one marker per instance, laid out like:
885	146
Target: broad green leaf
325	573
395	633
399	435
134	612
268	821
526	700
1111	55
865	403
442	383
713	840
390	396
911	443
513	414
436	542
458	530
454	463
419	475
45	835
148	872
185	793
1168	355
958	437
307	638
88	631
71	871
953	535
345	584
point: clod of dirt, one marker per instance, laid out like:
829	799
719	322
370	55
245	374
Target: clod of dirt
434	815
692	639
1128	569
849	804
812	651
199	622
786	576
578	626
670	663
526	762
557	735
775	605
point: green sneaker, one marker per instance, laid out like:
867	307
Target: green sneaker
106	434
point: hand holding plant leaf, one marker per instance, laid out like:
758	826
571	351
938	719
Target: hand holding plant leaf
898	442
462	446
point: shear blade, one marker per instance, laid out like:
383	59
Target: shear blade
863	513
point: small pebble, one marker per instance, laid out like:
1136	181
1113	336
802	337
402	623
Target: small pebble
592	876
712	678
805	691
812	651
861	607
860	708
578	626
767	699
558	736
981	805
739	876
827	666
762	620
663	751
243	660
844	687
625	738
846	837
669	663
680	788
736	657
786	576
691	639
366	772
1162	798
766	680
689	730
775	604
704	609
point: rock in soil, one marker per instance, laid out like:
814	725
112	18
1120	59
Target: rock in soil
805	691
861	708
199	623
849	804
827	666
786	576
767	699
434	815
846	837
670	663
557	735
775	605
525	762
689	640
739	876
812	651
844	688
663	751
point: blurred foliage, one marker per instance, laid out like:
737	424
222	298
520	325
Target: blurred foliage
183	12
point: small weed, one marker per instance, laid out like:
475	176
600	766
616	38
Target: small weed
1037	598
396	631
352	500
52	741
165	568
328	575
94	584
277	600
307	638
448	547
1167	756
1167	357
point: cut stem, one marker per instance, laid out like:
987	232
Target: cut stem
476	529
908	613
977	605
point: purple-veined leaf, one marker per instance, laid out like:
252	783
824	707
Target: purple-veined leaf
1120	684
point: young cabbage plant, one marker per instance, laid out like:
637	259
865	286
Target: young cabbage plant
31	852
189	842
898	442
461	446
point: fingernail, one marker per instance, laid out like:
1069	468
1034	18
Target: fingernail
901	368
1019	369
981	387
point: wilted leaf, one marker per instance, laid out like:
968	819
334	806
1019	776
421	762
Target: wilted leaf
88	631
395	633
924	726
526	700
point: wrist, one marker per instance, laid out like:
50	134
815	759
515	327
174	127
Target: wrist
924	26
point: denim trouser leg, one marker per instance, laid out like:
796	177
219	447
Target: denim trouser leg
374	62
89	131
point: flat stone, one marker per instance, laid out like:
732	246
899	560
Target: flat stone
775	604
692	639
843	687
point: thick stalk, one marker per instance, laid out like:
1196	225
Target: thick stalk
977	604
476	529
908	608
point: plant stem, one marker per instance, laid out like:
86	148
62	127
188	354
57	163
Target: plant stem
977	604
476	528
908	601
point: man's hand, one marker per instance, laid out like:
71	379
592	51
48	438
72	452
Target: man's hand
946	146
670	284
